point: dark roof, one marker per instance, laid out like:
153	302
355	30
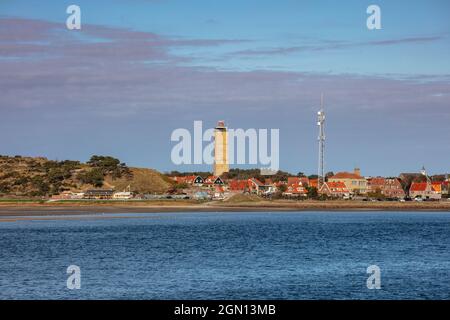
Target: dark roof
99	191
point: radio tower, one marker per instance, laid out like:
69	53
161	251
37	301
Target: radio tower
321	138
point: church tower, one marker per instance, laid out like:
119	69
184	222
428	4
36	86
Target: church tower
220	149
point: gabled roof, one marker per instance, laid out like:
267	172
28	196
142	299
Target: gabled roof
418	186
346	175
336	184
212	179
378	181
298	180
238	184
256	181
295	189
99	191
190	179
411	174
313	182
437	186
187	179
335	187
423	186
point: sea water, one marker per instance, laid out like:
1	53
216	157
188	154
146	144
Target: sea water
242	255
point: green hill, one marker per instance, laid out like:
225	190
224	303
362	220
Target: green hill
32	177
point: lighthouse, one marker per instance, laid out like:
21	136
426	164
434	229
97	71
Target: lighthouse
220	149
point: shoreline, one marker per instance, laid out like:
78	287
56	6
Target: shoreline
66	209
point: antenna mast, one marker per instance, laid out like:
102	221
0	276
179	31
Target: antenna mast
321	138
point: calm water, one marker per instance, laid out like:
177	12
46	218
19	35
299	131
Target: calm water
229	256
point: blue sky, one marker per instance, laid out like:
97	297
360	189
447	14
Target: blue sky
139	69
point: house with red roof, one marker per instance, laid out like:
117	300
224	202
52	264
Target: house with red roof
354	182
219	193
393	188
336	189
212	181
195	180
236	185
426	190
252	185
296	187
314	183
298	180
192	180
255	186
389	187
179	179
295	190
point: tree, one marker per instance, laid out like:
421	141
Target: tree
329	174
93	176
301	174
106	164
377	194
280	176
243	174
408	179
4	187
109	165
41	185
180	186
175	173
312	192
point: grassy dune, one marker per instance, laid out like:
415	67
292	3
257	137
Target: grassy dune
144	180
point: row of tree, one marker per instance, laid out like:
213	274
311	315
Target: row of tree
243	174
102	166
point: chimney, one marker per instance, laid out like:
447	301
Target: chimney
357	171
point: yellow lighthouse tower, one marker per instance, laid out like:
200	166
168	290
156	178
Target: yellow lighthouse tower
220	149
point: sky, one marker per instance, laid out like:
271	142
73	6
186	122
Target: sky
138	70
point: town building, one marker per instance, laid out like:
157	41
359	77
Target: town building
313	183
201	195
388	187
213	181
298	180
68	195
219	193
103	194
296	189
259	188
125	195
354	182
235	185
255	186
426	190
192	180
336	189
